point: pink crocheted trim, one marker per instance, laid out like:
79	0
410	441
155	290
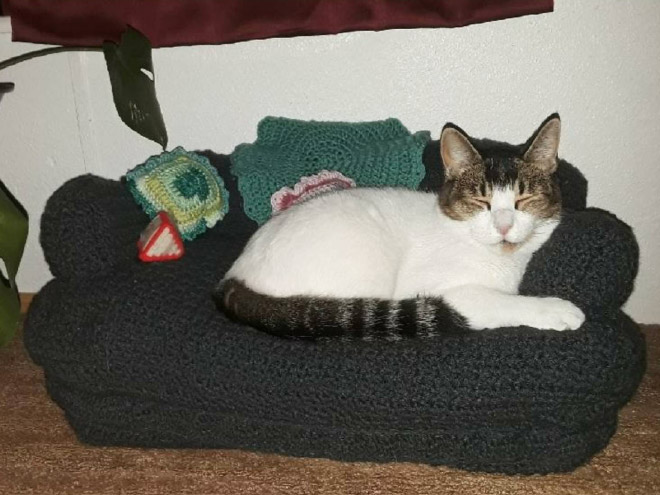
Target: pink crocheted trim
309	187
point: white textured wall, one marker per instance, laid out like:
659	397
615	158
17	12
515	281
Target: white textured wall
596	62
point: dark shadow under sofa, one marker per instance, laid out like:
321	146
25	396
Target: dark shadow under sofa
138	355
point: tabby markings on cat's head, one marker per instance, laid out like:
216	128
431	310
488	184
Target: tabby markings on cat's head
503	194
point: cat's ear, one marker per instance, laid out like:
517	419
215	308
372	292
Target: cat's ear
456	151
542	152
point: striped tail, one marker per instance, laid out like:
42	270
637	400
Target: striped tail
356	318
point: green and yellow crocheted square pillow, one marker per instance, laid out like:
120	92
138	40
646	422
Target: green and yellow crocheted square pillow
185	185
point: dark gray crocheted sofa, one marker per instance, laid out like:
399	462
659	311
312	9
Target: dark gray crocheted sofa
137	354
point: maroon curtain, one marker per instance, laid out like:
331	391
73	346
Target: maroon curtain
192	22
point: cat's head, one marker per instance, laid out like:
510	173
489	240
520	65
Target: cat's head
506	194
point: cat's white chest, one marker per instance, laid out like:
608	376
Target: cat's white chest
430	270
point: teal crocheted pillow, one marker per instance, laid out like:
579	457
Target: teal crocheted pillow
382	153
185	185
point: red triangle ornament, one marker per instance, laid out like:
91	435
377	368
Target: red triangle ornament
160	240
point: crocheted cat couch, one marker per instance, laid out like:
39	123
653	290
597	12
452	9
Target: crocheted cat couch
137	354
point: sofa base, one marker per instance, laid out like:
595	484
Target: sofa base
489	449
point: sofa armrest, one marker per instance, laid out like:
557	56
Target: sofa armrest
591	259
90	224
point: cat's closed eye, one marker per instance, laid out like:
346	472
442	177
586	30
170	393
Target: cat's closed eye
484	202
522	200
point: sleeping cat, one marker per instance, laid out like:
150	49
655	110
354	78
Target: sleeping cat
394	263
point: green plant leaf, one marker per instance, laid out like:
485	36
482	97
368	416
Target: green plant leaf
6	87
13	234
133	85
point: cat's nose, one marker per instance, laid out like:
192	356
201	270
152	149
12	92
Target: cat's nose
503	220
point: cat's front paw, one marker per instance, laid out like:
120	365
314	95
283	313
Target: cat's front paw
552	313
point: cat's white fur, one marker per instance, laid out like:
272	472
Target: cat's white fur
396	244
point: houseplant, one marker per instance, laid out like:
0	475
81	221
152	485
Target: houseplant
131	73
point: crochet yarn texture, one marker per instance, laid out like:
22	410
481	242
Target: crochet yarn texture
185	185
163	368
382	153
